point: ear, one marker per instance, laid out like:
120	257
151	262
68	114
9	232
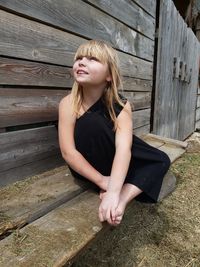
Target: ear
108	78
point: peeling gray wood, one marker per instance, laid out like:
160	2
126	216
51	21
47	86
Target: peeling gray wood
27	200
73	17
21	72
25	106
129	13
38	42
174	112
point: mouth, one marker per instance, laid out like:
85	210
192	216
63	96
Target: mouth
81	72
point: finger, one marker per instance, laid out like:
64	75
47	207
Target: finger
113	214
101	216
108	216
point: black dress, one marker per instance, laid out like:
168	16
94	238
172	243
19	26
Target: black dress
95	140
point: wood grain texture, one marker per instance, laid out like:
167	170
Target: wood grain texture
73	17
55	238
141	118
27	146
128	13
138	100
174	113
148	6
27	200
21	72
132	84
25	106
198	114
37	42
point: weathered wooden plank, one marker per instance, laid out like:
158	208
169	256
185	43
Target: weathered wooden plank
197	125
175	96
15	72
129	13
140	131
131	84
21	172
172	151
56	237
43	43
139	100
21	147
135	67
73	17
141	118
148	6
25	201
25	106
198	114
21	72
198	101
165	140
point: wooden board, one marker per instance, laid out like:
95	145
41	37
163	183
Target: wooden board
141	118
25	201
27	150
139	100
73	17
26	106
27	73
148	6
176	91
56	237
165	140
172	151
54	45
129	13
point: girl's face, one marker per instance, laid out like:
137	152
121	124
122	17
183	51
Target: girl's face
89	71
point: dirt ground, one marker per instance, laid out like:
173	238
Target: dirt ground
166	234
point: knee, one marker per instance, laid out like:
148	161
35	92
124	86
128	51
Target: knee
165	161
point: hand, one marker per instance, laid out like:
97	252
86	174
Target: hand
108	206
104	183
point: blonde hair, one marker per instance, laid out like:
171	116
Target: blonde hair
105	54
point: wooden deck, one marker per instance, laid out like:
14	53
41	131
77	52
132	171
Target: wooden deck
57	216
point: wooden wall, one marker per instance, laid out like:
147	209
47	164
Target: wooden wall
176	75
37	45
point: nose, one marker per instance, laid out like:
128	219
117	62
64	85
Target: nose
82	61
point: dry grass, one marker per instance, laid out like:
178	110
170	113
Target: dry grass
156	235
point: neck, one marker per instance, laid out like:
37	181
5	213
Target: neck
91	95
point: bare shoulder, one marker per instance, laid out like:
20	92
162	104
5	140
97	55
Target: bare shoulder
124	120
65	107
126	111
65	101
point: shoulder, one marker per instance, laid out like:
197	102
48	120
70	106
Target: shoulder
65	107
65	100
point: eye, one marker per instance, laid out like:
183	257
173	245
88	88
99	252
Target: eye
93	59
78	58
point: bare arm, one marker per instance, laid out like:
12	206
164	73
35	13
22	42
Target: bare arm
123	144
69	152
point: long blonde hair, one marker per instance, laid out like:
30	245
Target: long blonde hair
105	54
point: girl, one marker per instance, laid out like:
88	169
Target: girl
95	135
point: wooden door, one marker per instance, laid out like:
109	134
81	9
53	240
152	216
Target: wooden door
176	75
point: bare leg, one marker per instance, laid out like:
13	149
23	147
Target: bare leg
128	192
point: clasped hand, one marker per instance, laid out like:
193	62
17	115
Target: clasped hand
108	206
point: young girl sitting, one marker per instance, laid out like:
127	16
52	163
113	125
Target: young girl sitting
96	138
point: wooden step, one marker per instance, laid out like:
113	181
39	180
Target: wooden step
55	238
27	200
